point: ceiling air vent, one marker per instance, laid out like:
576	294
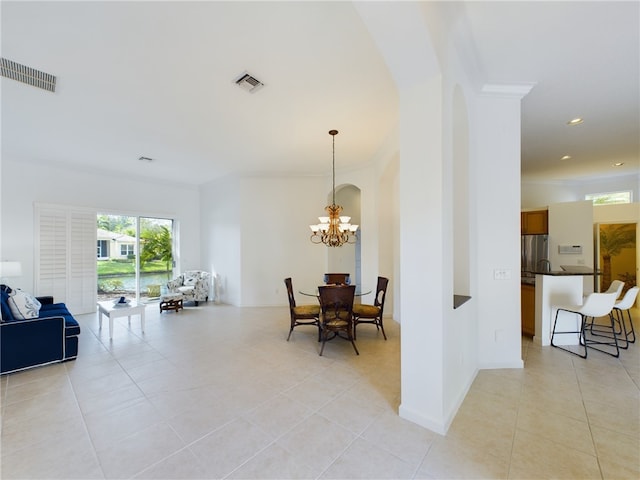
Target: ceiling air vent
28	75
249	83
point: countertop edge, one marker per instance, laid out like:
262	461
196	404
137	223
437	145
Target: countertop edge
563	273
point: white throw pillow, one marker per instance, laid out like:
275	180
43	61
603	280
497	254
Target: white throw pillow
191	278
22	305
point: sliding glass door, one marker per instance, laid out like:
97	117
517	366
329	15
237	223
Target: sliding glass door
156	256
135	256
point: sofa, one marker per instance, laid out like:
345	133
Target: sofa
194	286
50	337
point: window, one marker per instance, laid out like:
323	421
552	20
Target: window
609	198
103	249
140	258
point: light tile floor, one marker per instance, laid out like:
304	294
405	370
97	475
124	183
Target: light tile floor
216	392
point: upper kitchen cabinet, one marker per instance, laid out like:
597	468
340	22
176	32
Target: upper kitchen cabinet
534	222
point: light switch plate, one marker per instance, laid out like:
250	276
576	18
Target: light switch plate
501	274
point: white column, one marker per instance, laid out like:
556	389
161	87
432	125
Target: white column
496	177
421	262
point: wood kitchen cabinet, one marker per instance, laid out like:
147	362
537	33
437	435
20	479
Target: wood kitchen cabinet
528	309
534	222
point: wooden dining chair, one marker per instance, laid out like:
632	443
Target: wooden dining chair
337	278
336	313
363	313
301	314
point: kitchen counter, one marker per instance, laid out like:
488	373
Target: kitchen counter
566	270
559	287
553	287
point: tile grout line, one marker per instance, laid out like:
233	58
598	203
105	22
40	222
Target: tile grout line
84	424
586	413
520	399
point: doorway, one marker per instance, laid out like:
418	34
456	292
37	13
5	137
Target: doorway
135	256
616	254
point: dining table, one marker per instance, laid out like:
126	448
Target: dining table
313	291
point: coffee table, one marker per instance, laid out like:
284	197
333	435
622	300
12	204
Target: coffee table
112	311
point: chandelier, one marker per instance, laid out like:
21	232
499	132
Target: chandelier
334	230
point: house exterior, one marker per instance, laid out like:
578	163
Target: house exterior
114	246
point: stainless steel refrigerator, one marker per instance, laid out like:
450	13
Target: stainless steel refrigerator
534	256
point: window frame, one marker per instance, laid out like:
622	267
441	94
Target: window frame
602	195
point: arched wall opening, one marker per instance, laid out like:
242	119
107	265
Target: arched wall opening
347	258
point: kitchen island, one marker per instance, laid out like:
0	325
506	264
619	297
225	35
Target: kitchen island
558	287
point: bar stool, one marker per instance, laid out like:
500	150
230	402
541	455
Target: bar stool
622	306
598	330
616	286
595	305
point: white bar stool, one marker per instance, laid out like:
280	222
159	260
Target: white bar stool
622	306
595	305
600	330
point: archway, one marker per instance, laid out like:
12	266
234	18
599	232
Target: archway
347	258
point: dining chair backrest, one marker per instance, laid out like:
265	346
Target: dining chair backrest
628	300
336	301
598	304
381	292
337	278
289	284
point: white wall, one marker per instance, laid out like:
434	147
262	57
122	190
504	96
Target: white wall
496	138
624	213
571	223
461	334
422	274
221	230
257	234
25	183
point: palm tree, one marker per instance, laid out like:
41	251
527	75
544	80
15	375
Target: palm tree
613	238
157	245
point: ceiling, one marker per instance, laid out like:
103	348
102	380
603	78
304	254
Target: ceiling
157	79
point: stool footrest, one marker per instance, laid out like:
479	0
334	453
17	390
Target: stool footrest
171	302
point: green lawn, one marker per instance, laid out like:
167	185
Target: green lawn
112	267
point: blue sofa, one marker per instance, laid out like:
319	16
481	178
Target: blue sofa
52	337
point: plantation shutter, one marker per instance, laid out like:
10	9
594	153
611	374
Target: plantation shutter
66	239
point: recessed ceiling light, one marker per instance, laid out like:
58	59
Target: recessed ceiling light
566	157
575	121
619	164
